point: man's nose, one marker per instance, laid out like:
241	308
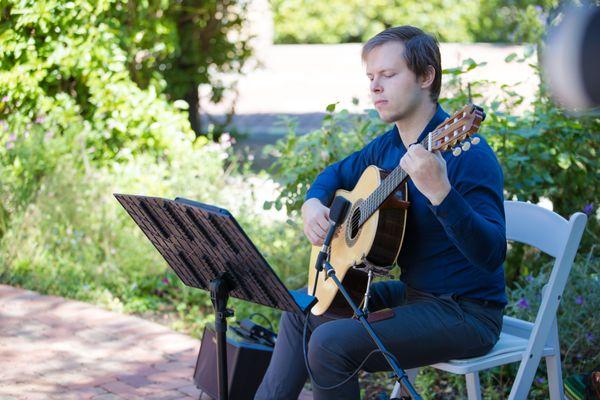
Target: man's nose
375	86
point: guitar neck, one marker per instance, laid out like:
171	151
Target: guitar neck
387	187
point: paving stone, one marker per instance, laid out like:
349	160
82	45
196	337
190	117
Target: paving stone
165	395
135	381
108	396
173	365
170	375
190	390
119	388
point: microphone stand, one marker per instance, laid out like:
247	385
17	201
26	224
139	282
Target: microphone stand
338	211
401	376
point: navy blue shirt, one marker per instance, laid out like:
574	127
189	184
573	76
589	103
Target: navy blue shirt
457	247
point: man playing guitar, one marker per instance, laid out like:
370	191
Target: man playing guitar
450	298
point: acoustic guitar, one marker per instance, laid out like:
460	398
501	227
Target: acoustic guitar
373	230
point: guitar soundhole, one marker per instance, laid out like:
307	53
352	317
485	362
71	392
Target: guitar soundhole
354	223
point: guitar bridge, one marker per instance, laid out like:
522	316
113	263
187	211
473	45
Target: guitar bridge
379	270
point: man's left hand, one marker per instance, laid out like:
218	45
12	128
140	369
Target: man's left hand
428	172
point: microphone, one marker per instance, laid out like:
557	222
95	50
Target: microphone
337	213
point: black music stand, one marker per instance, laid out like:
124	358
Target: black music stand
208	250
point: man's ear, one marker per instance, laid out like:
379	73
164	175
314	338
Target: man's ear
428	77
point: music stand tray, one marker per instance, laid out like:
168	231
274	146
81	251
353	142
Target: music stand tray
207	249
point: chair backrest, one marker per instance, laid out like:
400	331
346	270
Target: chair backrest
536	226
554	235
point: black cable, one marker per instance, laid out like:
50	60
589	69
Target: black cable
267	320
310	374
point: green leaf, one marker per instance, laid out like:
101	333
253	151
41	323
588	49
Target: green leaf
510	57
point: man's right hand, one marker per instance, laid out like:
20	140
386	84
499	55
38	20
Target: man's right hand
315	217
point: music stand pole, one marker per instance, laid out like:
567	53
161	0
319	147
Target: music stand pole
219	294
401	376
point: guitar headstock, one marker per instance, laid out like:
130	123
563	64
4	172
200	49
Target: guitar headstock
455	132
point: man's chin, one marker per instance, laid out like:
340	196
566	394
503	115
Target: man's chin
390	118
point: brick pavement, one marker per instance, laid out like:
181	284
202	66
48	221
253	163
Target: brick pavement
54	348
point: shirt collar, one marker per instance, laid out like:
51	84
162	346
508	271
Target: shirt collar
439	117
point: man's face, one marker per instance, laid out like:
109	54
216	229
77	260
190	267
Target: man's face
395	90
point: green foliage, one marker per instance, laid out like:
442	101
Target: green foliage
302	21
342	21
72	238
177	45
61	66
513	21
299	159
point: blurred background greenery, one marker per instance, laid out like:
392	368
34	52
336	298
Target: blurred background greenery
98	97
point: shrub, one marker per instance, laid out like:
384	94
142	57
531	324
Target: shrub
337	21
72	238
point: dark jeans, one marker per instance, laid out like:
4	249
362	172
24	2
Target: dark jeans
425	329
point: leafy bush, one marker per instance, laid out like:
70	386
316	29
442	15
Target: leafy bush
73	239
339	21
297	163
61	66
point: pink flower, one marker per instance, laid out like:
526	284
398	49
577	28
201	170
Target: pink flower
165	280
5	99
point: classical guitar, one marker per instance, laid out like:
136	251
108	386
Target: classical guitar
372	233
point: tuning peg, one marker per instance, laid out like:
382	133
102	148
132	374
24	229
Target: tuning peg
456	152
466	145
475	140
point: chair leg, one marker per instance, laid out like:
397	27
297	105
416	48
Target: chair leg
473	386
555	382
412	376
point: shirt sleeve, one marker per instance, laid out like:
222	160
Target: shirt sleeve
343	174
472	213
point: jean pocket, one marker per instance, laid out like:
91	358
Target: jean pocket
452	308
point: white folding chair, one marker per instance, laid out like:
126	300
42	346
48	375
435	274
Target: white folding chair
523	341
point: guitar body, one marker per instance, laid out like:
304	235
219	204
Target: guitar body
378	241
